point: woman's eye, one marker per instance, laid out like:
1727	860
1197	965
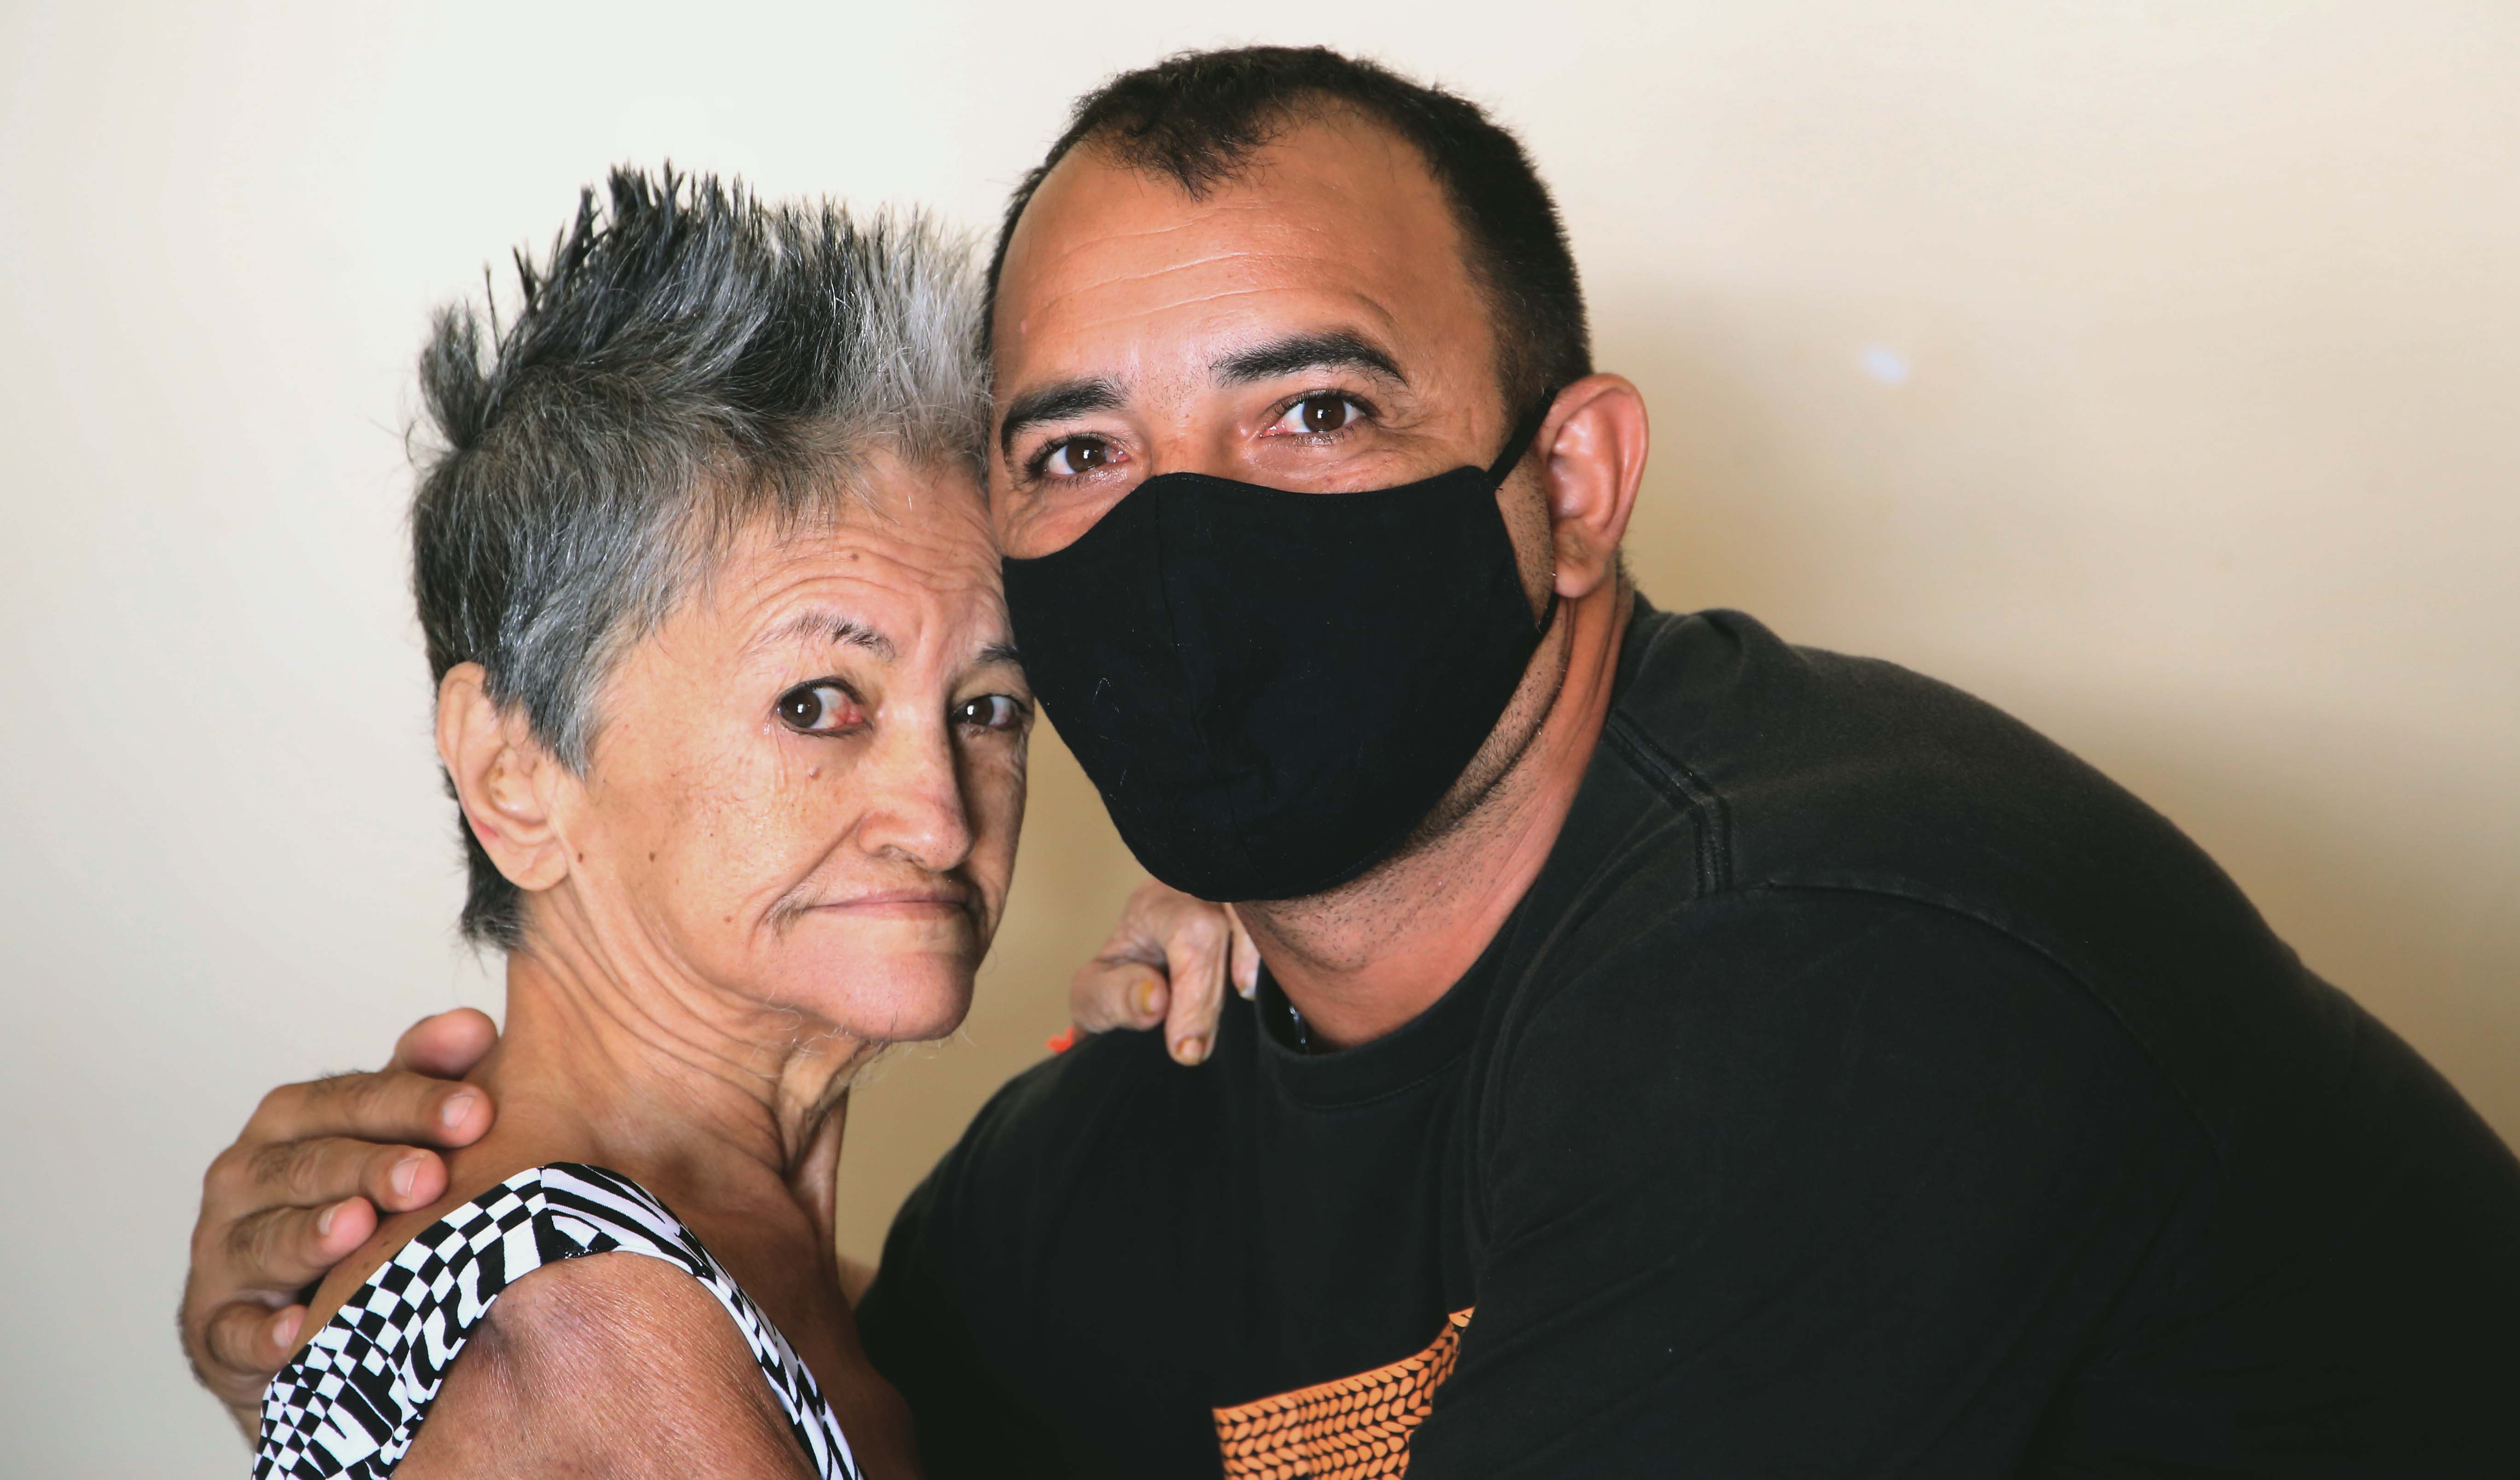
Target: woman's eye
993	711
818	708
1076	457
1320	415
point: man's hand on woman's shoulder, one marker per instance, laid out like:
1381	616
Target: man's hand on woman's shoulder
303	1185
320	1162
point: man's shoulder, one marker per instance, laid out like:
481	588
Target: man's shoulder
1799	769
1821	760
1789	973
1814	769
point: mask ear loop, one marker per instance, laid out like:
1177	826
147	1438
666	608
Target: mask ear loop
1506	460
1519	443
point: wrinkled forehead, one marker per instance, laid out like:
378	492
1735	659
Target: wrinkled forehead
911	544
1336	215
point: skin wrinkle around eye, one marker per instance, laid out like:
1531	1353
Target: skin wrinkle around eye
1335	351
1118	275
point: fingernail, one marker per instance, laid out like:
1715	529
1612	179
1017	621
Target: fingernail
457	1106
323	1219
1150	998
284	1328
1192	1049
405	1172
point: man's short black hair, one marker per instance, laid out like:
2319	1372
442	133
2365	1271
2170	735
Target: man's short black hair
1197	118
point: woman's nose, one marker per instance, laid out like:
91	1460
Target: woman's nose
917	812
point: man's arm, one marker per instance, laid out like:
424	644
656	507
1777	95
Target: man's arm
1809	1182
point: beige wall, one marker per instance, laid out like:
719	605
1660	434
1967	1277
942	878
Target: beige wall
2148	368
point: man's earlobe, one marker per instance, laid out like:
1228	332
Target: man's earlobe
504	780
1594	443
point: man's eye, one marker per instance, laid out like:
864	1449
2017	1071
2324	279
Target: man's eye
818	708
1076	457
991	711
1318	415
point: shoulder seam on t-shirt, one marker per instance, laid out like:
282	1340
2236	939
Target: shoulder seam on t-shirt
1685	789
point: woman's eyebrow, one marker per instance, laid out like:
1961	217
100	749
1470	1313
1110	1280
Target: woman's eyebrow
1329	349
822	624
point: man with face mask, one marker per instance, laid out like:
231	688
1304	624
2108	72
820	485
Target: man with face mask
1678	1052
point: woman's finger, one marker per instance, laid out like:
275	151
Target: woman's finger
1195	957
1109	993
1242	957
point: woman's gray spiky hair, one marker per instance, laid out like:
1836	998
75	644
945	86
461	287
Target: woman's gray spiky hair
687	362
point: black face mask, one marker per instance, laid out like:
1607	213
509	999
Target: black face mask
1272	689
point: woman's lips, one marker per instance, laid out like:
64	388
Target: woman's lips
912	902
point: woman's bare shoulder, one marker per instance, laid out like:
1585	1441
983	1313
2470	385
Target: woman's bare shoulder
473	1173
611	1364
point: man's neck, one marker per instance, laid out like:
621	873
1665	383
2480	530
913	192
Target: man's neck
1367	957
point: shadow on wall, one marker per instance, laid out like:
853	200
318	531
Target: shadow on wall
1896	480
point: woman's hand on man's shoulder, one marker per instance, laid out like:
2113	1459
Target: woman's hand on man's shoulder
1166	965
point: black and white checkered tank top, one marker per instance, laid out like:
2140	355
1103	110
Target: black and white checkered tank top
351	1402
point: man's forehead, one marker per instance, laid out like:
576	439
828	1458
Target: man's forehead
1334	207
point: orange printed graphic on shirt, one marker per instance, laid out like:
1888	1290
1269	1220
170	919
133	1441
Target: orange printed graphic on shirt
1351	1429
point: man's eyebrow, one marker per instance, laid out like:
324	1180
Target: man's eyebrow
1330	349
1001	652
835	627
1056	403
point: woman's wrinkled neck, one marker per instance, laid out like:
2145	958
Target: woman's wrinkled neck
642	1061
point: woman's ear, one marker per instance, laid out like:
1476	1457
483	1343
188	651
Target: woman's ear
1593	445
508	785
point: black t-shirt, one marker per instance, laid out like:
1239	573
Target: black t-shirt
1865	1086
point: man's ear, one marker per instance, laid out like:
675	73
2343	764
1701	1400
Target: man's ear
508	785
1592	447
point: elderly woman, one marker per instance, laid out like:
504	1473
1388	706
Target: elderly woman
726	696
